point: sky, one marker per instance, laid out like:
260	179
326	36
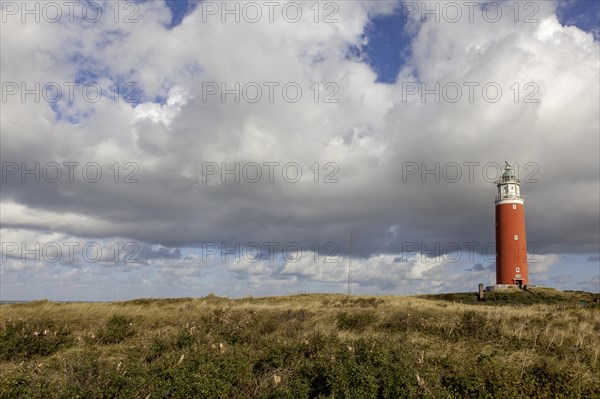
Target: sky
181	148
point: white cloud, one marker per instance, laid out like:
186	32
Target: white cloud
543	263
368	134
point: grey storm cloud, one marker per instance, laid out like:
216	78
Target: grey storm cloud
146	253
372	140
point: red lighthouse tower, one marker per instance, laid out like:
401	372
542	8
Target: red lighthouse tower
511	244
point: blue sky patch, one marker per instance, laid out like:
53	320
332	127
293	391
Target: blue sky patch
388	46
179	9
583	14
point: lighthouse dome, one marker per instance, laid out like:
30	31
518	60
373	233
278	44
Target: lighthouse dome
508	174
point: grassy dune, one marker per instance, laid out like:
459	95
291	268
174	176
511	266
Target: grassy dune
539	344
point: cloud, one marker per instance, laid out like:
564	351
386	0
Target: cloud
478	267
543	263
364	141
591	284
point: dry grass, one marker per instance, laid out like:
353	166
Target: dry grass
301	346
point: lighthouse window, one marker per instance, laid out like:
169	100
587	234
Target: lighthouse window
516	237
518	270
514	206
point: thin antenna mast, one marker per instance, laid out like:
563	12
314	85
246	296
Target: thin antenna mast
350	267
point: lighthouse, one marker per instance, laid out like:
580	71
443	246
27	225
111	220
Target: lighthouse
511	244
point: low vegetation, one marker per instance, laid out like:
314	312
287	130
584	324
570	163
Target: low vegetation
516	296
305	346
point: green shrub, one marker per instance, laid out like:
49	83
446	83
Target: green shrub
475	325
356	321
116	329
184	339
22	339
397	322
16	385
155	350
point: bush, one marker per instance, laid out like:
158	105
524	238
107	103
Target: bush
356	321
155	349
397	322
475	325
25	339
184	339
115	330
